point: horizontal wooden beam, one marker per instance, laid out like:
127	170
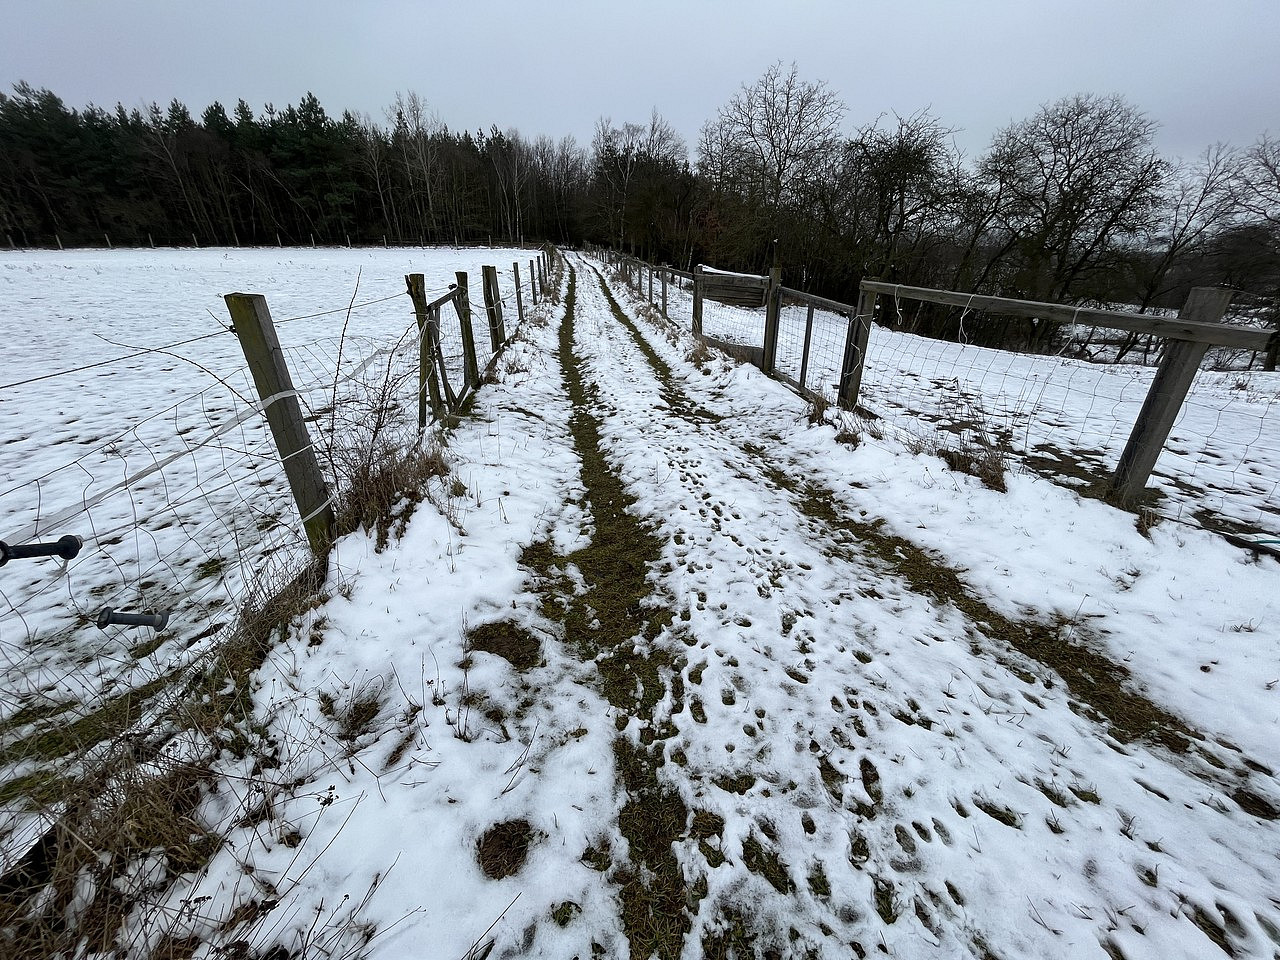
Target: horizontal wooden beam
1173	328
441	301
817	301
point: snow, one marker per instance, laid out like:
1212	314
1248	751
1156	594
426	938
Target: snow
954	794
1067	418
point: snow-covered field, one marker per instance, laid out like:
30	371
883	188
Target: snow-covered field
820	728
161	462
1065	418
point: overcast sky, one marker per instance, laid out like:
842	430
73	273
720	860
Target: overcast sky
1206	70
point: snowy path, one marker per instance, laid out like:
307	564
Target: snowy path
842	729
706	667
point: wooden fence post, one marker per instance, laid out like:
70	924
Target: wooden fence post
697	300
493	306
663	274
1164	399
855	350
533	286
804	356
650	266
515	268
462	304
772	316
428	334
257	334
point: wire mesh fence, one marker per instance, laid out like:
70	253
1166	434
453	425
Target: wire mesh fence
1061	400
169	476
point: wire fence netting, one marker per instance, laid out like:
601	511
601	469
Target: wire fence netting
162	462
1061	402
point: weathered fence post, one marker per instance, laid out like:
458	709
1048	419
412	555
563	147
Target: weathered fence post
462	304
772	316
855	350
697	300
428	333
252	322
804	356
493	307
1164	399
533	286
515	268
663	274
650	266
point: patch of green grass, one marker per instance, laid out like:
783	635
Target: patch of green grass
996	812
508	640
113	717
601	625
819	885
765	862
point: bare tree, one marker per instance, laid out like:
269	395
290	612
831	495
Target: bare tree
1075	179
416	139
1260	180
614	154
775	139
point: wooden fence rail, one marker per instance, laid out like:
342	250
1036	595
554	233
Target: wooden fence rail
1188	336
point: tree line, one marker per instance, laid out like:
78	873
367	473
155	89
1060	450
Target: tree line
1072	204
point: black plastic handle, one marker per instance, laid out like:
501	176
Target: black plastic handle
109	618
65	547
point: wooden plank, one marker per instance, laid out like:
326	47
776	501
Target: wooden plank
1164	399
1218	334
755	300
813	300
735	282
257	334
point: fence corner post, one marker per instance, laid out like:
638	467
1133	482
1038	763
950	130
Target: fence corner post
1165	397
772	318
855	350
257	335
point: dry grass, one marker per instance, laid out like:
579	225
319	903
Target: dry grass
818	407
382	490
503	848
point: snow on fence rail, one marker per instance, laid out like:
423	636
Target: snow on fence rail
180	514
1102	426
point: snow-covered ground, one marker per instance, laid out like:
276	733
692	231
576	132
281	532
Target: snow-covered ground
1065	418
161	462
838	756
